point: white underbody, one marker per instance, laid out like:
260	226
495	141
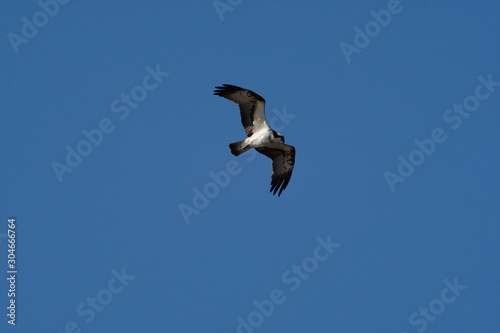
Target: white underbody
260	138
262	133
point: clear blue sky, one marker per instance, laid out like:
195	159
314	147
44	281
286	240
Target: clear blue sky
109	129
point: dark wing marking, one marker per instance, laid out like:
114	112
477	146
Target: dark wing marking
251	105
283	157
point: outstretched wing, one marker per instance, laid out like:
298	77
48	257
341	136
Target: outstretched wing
283	157
251	106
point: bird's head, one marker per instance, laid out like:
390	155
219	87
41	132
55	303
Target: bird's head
279	137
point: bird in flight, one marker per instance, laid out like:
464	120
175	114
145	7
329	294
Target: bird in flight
260	135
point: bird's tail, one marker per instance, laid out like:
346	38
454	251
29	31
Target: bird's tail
238	148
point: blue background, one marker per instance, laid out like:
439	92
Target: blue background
119	208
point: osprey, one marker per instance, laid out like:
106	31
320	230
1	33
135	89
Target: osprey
260	136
